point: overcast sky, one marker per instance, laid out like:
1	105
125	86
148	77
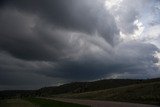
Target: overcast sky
52	42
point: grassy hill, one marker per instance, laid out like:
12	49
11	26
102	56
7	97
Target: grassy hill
132	90
80	87
140	93
36	102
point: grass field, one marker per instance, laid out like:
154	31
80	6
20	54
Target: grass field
139	93
36	102
16	103
52	103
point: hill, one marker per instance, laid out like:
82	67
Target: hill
75	87
80	87
141	93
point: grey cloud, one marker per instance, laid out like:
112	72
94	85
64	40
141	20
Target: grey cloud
130	58
23	38
128	12
84	15
27	34
51	42
140	58
20	74
18	80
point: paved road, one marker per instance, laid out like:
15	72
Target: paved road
95	103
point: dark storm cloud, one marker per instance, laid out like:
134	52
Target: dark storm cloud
86	16
133	60
19	74
138	60
20	38
26	80
50	42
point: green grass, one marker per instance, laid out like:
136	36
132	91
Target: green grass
16	103
139	93
36	102
52	103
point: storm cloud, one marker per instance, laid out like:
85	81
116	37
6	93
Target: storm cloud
45	43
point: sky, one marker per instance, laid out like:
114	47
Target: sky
52	42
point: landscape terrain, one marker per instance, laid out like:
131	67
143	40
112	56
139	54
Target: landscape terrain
79	53
144	91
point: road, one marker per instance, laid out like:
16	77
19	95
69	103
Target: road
95	103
